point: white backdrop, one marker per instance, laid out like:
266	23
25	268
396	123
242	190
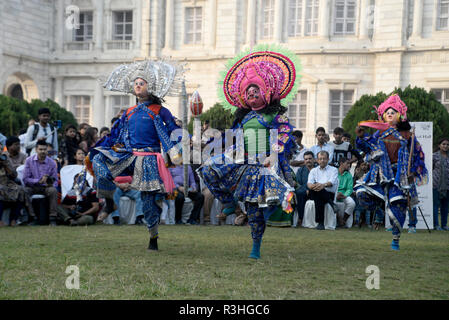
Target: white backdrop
424	134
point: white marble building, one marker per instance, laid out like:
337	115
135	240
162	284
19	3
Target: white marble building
347	47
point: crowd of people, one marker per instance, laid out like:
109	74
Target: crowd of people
324	173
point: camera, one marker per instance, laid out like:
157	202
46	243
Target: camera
3	157
50	180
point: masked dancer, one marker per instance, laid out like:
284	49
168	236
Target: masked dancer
134	147
255	84
397	164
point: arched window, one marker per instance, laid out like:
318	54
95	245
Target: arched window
17	92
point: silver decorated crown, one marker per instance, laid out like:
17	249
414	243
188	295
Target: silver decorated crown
163	77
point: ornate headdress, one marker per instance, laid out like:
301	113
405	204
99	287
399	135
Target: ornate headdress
395	103
272	69
163	77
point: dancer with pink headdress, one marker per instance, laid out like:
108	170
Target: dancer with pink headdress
253	87
397	164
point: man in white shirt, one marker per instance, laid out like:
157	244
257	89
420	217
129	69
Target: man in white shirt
322	183
45	131
322	144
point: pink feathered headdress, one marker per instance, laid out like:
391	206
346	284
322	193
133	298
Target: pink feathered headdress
395	103
272	72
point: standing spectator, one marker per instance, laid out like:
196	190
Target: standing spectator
345	189
82	130
359	173
104	132
42	131
302	193
346	137
82	212
440	162
13	146
89	139
322	144
341	149
322	183
40	176
69	145
177	173
298	157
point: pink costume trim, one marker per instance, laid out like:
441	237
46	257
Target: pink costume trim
166	177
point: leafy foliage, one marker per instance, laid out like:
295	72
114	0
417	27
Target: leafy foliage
421	106
15	114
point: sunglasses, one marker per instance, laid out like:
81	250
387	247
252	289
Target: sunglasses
141	83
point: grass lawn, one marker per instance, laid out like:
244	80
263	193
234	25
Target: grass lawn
210	262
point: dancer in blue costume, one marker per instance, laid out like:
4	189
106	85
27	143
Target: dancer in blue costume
134	146
397	164
255	84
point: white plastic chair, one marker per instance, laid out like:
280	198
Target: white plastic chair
67	174
330	219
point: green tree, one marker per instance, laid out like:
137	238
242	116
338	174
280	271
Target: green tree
15	114
421	106
219	118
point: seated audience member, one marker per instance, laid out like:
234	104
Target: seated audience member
14	154
298	157
322	183
345	189
342	149
123	184
208	202
302	193
322	144
79	157
82	212
12	194
177	173
40	176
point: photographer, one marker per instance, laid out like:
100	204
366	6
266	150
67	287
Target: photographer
41	131
11	193
83	212
40	176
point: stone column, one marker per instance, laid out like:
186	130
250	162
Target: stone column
60	27
251	23
365	19
98	108
59	91
325	18
99	26
278	21
169	21
417	18
213	23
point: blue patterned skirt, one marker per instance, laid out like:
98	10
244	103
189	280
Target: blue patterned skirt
252	183
108	164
